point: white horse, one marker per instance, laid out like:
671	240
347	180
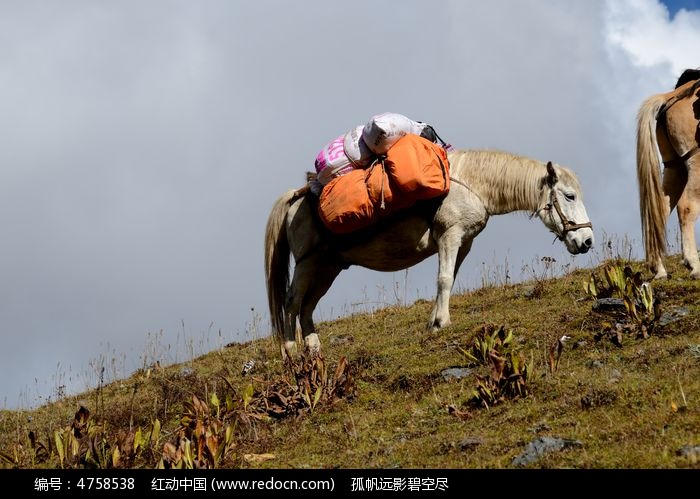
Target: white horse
484	183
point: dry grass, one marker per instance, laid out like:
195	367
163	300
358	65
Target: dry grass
630	406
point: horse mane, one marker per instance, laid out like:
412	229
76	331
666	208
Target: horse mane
688	75
511	180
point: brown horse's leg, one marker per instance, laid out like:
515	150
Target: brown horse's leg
672	185
674	181
688	210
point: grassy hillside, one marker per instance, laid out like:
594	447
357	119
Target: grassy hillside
382	397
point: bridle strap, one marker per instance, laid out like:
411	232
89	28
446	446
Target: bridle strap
567	225
690	153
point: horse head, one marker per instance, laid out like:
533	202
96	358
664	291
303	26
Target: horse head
563	210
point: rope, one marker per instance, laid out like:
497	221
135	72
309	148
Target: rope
459	182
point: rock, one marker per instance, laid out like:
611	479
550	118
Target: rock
673	316
455	373
463	415
609	305
343	339
248	367
542	445
596	397
595	364
470	443
258	458
691	452
694	350
540	427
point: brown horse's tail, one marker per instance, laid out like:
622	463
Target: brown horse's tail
277	261
651	199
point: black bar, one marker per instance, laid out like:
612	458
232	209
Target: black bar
436	483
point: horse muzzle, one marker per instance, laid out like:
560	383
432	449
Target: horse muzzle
579	241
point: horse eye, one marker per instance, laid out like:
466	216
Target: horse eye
570	196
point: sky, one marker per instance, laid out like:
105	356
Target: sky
144	143
675	5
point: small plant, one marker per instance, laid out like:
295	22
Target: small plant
506	381
489	339
85	443
540	277
555	351
20	456
205	437
209	432
509	371
641	307
312	386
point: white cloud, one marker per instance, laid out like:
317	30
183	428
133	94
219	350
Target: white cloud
644	30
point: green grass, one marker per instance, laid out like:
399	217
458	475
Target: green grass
633	406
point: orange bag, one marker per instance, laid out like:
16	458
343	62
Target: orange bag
414	169
357	199
418	167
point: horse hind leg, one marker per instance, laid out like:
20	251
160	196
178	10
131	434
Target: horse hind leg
288	346
323	279
688	209
298	287
310	283
674	182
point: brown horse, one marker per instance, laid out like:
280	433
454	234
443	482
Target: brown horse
670	122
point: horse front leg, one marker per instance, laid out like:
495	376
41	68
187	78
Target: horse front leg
688	209
451	253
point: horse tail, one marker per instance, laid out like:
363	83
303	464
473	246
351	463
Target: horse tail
651	199
277	253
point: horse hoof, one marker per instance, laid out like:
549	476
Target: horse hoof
288	349
313	344
437	325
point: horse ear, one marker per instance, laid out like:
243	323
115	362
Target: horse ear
551	174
